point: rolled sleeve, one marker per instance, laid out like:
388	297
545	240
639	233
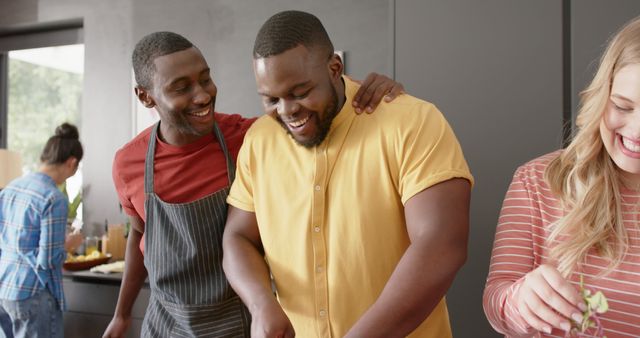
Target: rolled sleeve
241	193
52	234
430	153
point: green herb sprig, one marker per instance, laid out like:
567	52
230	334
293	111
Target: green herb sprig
596	305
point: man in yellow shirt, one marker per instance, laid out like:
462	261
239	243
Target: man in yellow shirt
361	220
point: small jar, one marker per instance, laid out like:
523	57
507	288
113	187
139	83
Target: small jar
91	245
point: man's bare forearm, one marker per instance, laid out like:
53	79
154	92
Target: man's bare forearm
415	288
437	222
246	270
134	275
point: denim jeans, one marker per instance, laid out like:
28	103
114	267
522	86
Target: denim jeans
35	317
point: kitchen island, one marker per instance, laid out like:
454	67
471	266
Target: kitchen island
91	300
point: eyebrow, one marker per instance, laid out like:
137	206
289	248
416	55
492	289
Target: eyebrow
292	89
183	78
618	96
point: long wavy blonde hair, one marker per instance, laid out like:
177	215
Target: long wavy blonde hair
585	178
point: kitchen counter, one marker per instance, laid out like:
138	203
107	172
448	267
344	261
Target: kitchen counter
95	277
91	301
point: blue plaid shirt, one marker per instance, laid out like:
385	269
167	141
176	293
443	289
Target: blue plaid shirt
33	216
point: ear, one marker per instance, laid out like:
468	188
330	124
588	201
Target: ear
70	166
335	66
144	97
71	162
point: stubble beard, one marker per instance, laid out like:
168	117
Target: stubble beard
324	124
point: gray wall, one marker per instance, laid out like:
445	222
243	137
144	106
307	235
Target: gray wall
494	68
593	22
16	12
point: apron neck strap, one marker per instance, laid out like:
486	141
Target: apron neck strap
151	149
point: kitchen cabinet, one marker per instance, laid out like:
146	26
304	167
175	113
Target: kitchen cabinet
91	302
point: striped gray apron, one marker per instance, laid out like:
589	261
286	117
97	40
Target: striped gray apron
190	295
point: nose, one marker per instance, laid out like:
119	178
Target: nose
634	123
287	107
201	96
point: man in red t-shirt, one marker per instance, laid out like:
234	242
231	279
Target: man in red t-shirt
172	180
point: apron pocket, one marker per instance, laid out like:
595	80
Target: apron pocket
225	319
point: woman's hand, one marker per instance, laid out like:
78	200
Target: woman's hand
373	89
546	300
72	241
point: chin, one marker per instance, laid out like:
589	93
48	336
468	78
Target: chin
305	142
632	169
202	129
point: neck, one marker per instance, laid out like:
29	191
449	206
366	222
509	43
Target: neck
56	172
340	91
630	181
176	137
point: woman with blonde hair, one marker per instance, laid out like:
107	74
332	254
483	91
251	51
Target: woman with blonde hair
569	225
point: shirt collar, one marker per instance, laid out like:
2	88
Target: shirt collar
44	178
189	147
347	112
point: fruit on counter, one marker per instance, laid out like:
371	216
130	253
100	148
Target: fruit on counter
83	258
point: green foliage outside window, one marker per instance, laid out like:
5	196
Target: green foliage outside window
40	98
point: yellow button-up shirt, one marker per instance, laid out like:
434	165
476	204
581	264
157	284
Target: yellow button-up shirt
331	218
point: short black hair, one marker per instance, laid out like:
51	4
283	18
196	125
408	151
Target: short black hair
65	143
287	30
149	48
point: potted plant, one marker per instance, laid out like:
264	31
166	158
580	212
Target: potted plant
73	204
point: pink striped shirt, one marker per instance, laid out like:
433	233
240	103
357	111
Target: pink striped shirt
528	211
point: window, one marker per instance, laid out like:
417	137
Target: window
45	90
41	77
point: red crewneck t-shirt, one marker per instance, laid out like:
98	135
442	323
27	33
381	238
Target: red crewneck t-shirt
182	173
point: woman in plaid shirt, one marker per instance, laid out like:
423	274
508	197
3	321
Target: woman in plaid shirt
33	216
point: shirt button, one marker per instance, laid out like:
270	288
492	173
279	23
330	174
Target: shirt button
316	229
323	313
317	188
318	269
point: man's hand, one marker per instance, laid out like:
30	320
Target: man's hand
546	300
248	273
268	320
373	89
117	327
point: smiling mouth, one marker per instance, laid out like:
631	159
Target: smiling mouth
200	113
299	123
630	145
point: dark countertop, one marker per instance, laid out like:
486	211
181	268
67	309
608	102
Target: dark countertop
91	302
96	277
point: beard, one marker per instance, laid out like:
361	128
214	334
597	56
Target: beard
182	125
180	122
323	124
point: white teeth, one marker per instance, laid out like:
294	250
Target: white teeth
200	114
299	123
631	145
